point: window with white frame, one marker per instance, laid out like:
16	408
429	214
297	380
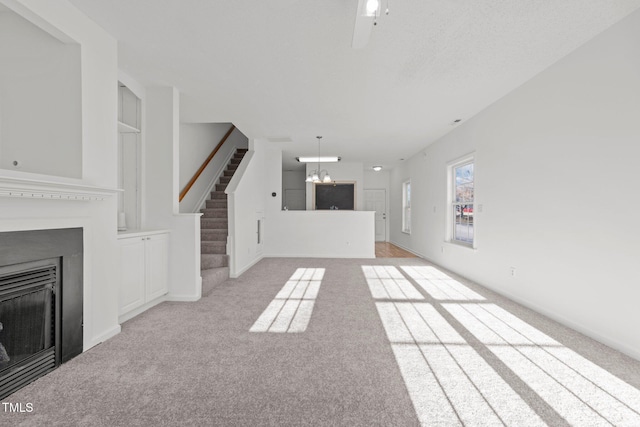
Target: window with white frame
462	202
406	207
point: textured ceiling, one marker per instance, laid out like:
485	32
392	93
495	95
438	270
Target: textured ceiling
286	69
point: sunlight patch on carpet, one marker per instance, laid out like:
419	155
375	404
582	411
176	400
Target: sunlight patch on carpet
387	282
580	391
439	285
448	382
291	309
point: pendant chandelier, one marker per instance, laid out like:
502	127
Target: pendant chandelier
318	175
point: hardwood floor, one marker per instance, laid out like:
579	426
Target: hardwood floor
389	250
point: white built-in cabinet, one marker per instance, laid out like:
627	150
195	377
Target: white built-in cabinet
144	260
129	158
144	253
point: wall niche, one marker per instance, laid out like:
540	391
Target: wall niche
40	100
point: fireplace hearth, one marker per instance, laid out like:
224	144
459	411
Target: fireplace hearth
40	303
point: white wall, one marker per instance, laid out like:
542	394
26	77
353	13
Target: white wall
376	180
40	109
556	168
161	149
98	67
185	282
345	234
293	180
321	234
246	204
197	141
340	172
162	163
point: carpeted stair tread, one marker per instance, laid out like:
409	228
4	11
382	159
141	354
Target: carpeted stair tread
213	247
217	204
214	223
213	277
214	230
213	235
209	261
214	212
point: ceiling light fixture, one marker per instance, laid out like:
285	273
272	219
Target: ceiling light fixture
323	159
318	175
372	7
377	168
366	18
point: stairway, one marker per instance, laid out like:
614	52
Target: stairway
214	263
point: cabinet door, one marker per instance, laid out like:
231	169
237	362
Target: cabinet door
157	265
132	275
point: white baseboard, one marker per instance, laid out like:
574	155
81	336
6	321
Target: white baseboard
187	297
183	298
579	327
102	338
298	255
236	274
133	313
408	250
583	329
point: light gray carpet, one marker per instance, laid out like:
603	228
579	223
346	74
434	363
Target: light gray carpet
182	364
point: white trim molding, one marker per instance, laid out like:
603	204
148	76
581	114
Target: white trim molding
37	189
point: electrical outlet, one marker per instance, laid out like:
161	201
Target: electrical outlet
513	272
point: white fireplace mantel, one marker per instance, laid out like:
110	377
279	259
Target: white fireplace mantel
40	189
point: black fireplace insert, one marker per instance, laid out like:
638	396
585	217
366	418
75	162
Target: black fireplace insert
40	303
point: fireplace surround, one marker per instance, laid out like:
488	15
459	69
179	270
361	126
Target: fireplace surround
41	303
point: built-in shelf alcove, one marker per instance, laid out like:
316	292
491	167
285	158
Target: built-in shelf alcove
41	102
129	158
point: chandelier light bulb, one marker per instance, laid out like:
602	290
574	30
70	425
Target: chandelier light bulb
318	175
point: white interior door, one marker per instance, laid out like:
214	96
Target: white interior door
376	200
